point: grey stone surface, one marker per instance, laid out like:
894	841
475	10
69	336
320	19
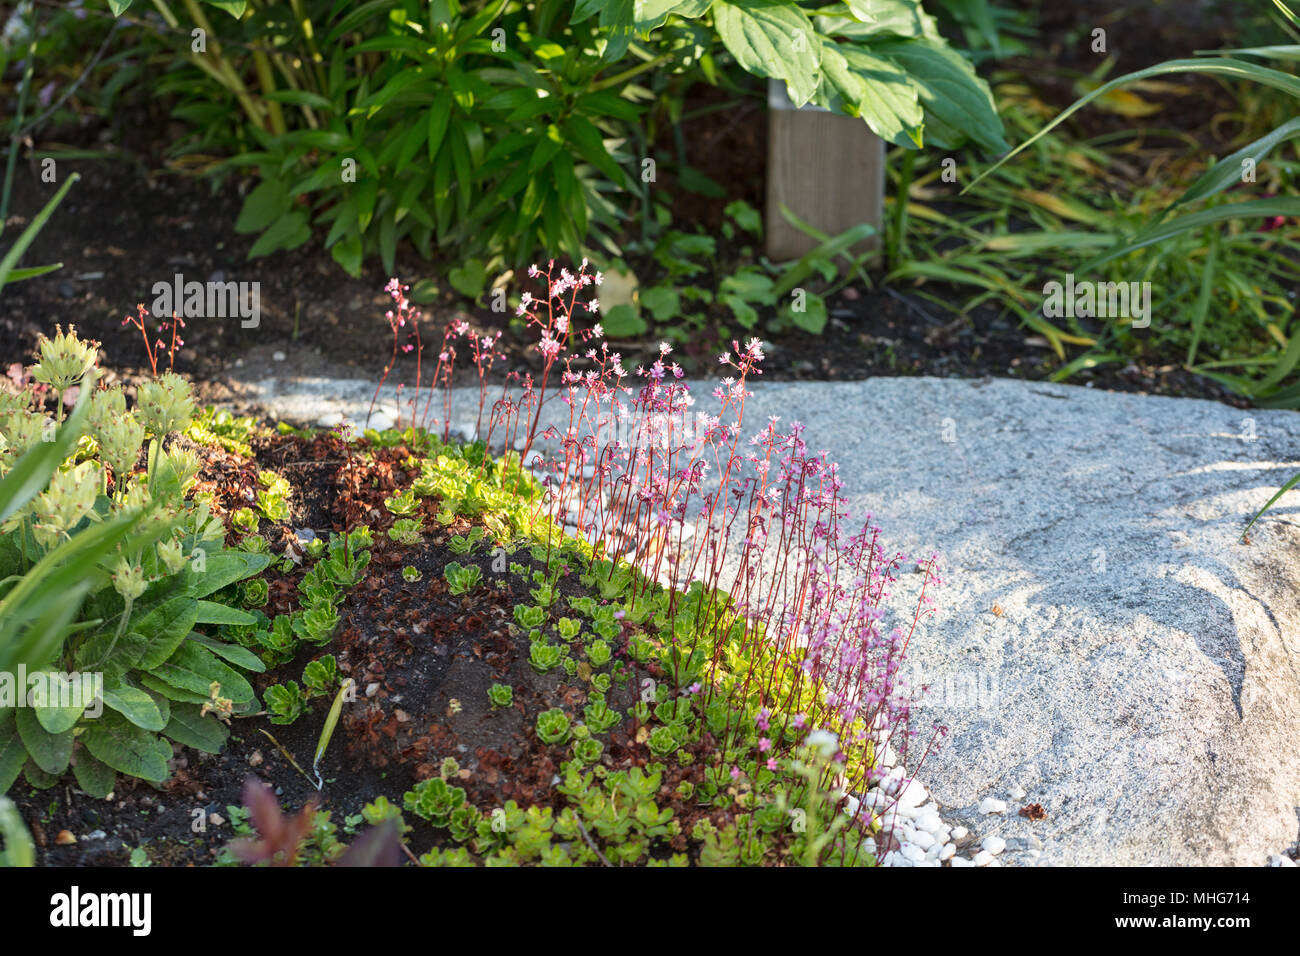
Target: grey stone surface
1103	642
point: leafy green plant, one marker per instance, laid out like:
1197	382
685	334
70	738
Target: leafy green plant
273	497
500	127
598	652
321	675
542	656
553	726
406	530
501	695
403	504
286	702
465	544
529	616
138	601
434	800
255	592
599	716
588	750
461	579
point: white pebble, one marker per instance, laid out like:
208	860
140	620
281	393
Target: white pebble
983	858
929	821
1017	793
923	840
875	801
1280	860
959	833
989	805
329	419
994	844
960	861
277	356
913	852
913	795
947	851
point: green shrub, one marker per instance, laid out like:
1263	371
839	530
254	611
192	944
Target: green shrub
500	126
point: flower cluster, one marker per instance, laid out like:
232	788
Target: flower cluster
632	465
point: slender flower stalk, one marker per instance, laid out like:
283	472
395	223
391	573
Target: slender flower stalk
792	629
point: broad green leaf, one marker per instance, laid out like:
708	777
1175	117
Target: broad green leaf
750	286
128	749
841	89
57	702
93	776
166	690
235	8
742	310
813	316
288	232
616	29
773	39
194	668
239	656
188	727
469	279
890	100
37	777
958	104
135	705
12	753
51	752
883	17
166	626
210	612
111	656
264	205
651	14
622	322
223	568
348	253
662	301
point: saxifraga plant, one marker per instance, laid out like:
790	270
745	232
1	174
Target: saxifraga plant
791	643
109	572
